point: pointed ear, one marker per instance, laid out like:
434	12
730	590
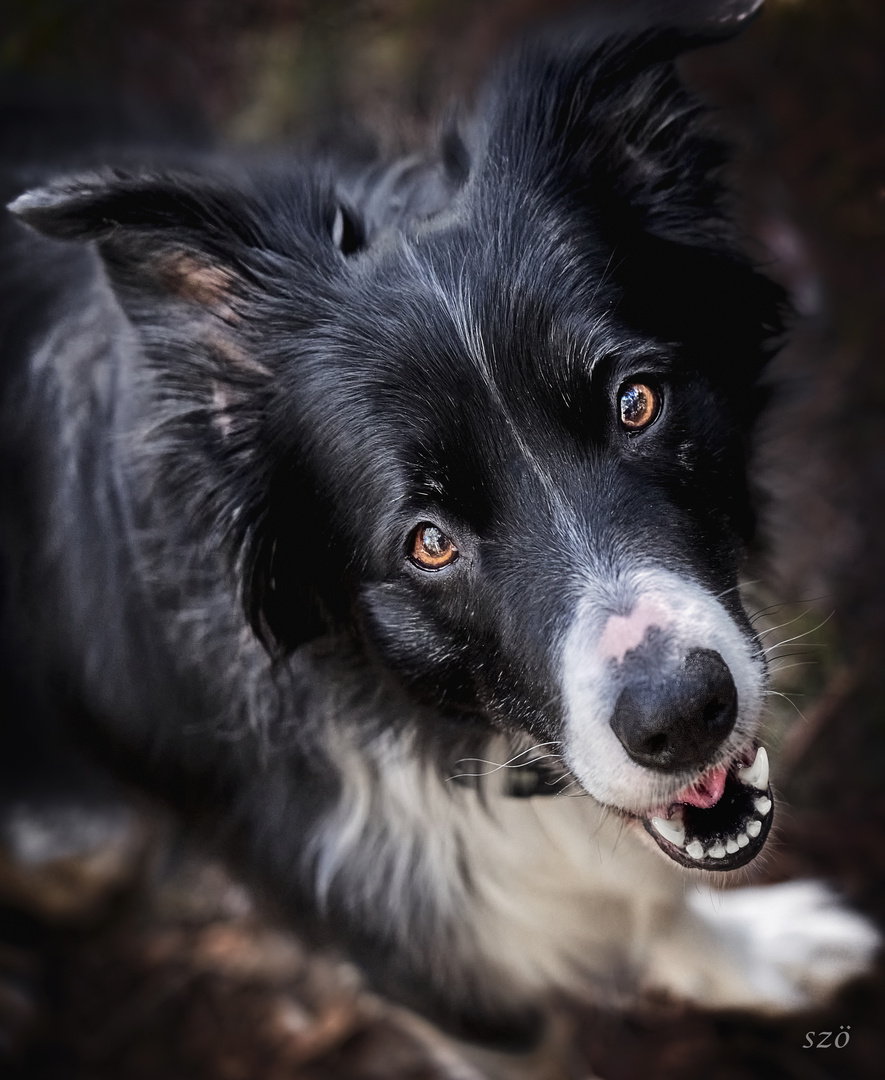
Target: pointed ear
593	108
684	23
95	205
220	279
175	236
694	20
592	116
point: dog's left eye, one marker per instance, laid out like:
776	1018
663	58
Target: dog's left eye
639	405
430	548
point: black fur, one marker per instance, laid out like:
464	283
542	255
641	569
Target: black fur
225	413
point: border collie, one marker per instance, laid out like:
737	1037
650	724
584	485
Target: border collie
374	514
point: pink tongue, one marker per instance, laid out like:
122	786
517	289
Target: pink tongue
706	792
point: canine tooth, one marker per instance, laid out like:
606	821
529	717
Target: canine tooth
670	830
763	805
717	851
754	828
756	775
695	849
731	847
742	839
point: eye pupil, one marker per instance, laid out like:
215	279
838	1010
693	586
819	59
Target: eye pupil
433	540
638	405
430	548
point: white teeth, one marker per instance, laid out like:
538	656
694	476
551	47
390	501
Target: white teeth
671	830
756	775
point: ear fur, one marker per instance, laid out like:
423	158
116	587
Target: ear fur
593	113
97	205
203	267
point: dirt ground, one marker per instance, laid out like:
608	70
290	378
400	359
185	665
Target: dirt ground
174	974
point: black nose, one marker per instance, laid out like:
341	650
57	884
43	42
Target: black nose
676	721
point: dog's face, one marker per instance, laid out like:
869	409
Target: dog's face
500	443
541	508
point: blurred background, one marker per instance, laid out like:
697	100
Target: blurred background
145	960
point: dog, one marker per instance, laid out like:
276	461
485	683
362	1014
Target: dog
387	520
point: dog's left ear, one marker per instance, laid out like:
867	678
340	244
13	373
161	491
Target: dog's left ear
684	274
592	109
705	20
592	115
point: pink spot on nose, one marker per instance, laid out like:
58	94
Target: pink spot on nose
705	792
625	632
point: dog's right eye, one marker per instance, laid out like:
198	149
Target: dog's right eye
639	406
430	548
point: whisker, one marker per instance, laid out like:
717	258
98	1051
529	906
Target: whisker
786	697
786	656
780	626
735	588
570	786
510	763
497	766
798	637
786	667
786	603
516	757
767	611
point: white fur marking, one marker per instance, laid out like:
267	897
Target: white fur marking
692	618
625	632
775	948
528	891
535	895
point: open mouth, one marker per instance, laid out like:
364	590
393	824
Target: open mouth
721	821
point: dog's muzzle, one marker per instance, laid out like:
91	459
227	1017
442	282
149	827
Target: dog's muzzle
676	720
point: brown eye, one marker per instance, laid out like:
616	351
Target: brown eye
639	406
430	548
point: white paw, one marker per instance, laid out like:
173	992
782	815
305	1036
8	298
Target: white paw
788	947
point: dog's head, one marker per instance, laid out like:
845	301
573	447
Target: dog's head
488	415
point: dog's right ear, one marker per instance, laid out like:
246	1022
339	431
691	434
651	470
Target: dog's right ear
197	236
178	236
206	269
96	205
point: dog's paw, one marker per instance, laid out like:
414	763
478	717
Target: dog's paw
786	947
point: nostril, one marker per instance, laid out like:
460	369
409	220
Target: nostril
657	744
720	712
